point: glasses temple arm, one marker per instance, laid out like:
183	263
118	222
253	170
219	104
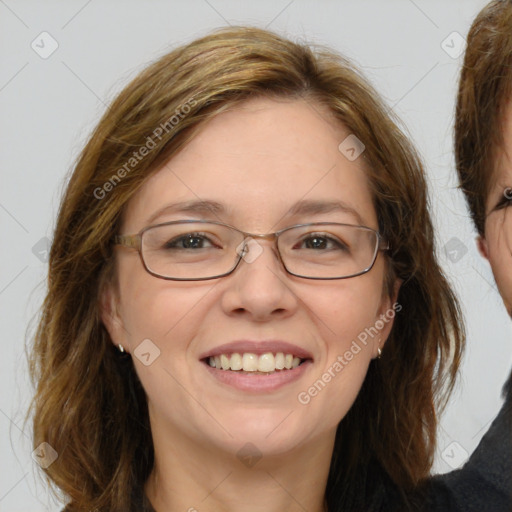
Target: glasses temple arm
128	241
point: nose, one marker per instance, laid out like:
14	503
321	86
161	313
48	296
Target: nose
260	288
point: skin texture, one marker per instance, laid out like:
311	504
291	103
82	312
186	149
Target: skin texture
496	245
257	160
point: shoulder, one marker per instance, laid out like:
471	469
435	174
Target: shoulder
486	478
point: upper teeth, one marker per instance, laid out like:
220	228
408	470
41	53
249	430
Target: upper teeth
249	362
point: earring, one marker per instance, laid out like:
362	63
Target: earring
121	348
379	351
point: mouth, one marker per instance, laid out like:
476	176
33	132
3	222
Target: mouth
257	366
254	364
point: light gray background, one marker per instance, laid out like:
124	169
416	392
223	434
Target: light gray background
48	106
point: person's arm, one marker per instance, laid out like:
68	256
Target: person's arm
484	483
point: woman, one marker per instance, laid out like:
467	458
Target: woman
244	306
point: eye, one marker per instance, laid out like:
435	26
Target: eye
321	241
189	241
505	199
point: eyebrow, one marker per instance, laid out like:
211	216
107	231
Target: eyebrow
201	207
315	207
301	208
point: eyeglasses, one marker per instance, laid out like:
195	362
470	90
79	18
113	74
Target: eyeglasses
197	250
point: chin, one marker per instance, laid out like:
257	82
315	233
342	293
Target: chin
272	434
263	446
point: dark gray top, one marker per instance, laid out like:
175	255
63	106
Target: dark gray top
484	483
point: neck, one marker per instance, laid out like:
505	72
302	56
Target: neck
194	478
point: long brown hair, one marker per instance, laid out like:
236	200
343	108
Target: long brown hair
485	85
89	405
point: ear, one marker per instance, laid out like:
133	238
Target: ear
386	316
110	316
483	248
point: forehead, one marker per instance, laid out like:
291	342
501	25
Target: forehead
258	160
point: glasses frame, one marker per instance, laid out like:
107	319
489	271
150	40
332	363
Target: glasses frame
135	242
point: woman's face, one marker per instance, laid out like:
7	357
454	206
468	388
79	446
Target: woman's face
266	165
496	246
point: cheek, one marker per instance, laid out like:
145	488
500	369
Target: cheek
499	245
349	332
500	259
347	321
347	311
165	312
162	320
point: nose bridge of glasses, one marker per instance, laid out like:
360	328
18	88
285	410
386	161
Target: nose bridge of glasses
250	248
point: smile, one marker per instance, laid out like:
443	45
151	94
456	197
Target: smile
256	366
249	362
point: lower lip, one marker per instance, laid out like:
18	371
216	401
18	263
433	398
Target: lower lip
258	383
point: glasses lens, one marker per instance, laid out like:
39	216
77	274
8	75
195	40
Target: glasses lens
328	251
190	250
